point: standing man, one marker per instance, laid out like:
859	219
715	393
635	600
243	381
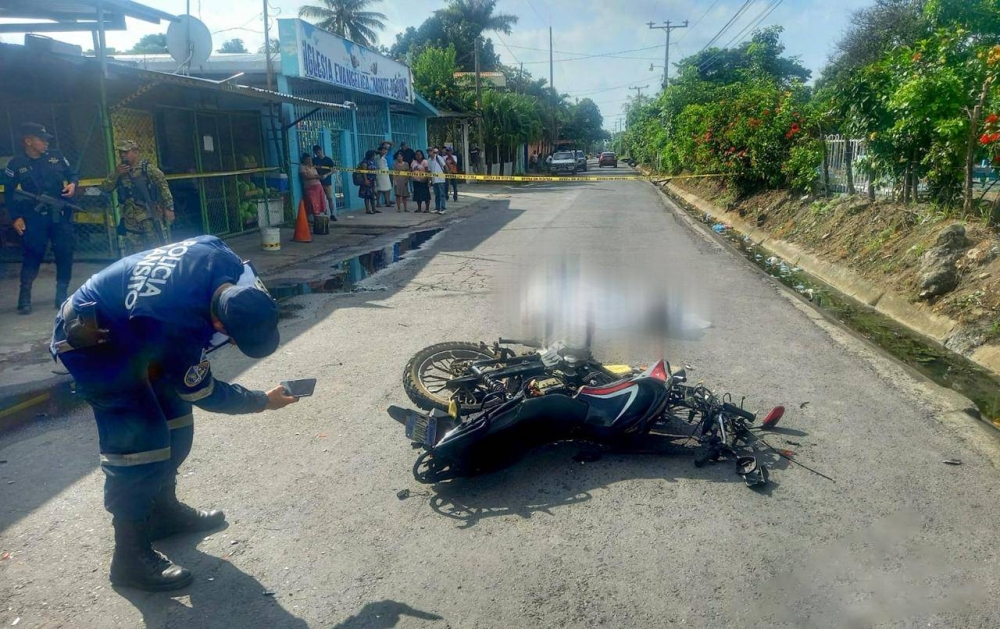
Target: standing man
437	168
454	164
327	170
39	171
474	158
147	206
408	154
134	337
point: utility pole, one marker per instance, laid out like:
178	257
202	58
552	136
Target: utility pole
552	86
479	106
267	46
638	97
667	26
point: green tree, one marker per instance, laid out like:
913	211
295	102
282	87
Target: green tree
152	44
442	30
233	46
476	17
434	79
585	123
508	121
347	18
275	47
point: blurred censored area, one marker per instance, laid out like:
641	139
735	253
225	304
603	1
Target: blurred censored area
583	303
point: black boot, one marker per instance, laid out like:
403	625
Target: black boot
61	290
172	517
24	300
137	565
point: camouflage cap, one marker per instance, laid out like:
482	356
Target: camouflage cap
127	145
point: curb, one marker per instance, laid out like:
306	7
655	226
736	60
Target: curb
934	327
37	400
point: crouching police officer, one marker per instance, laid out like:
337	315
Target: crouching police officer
147	206
39	171
134	338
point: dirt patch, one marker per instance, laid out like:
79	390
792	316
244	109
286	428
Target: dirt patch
884	243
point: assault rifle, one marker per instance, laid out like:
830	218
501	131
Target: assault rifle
55	206
143	199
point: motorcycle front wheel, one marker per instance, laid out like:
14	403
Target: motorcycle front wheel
427	373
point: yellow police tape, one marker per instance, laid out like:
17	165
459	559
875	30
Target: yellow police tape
407	173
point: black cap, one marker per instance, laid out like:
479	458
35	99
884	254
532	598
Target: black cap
250	317
317	147
37	130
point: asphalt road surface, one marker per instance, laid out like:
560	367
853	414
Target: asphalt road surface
318	537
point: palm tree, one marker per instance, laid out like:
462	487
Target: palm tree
477	17
347	18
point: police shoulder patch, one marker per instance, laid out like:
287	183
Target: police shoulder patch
196	374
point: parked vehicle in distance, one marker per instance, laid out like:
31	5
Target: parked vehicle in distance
607	158
581	160
563	162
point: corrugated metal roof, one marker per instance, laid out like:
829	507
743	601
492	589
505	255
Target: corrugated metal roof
239	90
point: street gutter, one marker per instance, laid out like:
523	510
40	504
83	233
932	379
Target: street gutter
860	300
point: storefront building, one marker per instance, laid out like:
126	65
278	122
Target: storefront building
321	72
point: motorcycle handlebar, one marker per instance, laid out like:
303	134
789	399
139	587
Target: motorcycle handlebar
732	409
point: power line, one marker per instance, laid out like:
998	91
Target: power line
741	11
509	50
608	89
584	55
586	58
530	4
698	21
708	63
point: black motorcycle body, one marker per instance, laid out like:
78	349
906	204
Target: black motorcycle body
609	414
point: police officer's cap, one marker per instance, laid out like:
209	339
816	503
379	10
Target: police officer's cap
250	317
37	130
127	145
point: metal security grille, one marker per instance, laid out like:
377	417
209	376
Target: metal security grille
405	129
80	137
373	125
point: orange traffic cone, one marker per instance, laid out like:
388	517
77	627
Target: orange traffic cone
302	225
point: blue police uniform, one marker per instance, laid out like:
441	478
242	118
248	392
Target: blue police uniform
141	383
45	174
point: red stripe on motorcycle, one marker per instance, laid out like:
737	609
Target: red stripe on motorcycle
615	388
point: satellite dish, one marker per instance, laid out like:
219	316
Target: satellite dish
188	41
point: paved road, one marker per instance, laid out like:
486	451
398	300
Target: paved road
899	540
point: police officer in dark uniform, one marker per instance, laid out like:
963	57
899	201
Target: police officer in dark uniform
38	170
134	337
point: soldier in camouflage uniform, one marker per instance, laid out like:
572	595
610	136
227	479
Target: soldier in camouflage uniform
147	208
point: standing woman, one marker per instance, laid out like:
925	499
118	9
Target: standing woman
421	183
366	190
312	187
383	185
401	183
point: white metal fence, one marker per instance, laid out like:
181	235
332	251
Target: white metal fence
837	163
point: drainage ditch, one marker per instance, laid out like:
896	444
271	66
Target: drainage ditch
944	367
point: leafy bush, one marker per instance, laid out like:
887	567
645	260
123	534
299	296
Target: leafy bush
803	160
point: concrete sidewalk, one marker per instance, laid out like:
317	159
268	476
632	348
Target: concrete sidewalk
29	377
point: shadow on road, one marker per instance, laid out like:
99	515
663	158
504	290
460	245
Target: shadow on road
383	615
565	474
231	599
27	460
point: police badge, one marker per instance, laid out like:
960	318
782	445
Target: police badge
196	374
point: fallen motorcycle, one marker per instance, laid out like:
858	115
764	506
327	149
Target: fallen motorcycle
501	403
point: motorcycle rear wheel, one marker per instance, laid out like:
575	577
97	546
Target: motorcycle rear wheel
428	370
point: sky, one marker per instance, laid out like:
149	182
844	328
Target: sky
579	28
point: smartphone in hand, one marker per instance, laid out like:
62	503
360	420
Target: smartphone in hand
299	388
